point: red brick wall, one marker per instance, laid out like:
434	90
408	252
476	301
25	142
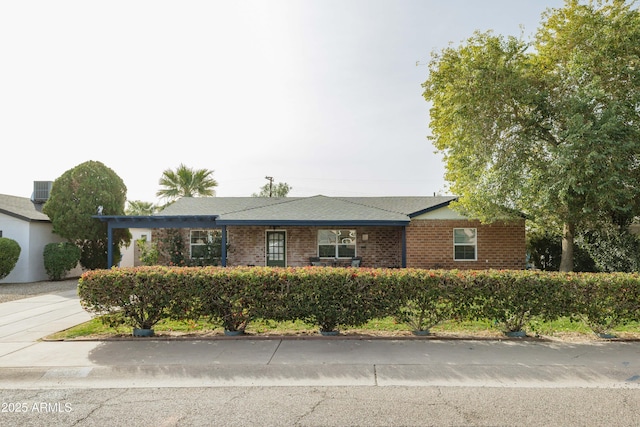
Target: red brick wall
247	245
500	245
429	245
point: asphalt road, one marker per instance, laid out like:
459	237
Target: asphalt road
322	406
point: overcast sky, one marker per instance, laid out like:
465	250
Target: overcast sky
324	95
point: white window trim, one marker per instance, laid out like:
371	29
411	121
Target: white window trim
191	245
336	245
475	244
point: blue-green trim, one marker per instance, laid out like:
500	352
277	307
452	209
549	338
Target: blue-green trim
213	221
312	223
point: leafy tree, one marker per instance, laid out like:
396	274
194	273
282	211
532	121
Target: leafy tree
545	250
613	248
186	182
549	129
9	255
78	195
140	208
280	189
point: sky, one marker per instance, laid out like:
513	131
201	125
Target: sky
324	95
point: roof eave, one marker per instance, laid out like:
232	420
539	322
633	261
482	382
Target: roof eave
22	217
432	208
315	223
157	221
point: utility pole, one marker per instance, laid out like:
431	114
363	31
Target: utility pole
270	178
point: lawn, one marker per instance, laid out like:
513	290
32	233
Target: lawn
563	329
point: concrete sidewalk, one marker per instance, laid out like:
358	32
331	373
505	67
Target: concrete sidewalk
26	362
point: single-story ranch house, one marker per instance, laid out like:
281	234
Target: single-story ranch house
412	232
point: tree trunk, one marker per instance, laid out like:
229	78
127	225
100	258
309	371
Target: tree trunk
566	261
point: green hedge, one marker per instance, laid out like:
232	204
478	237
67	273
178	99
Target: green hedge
338	298
60	258
9	255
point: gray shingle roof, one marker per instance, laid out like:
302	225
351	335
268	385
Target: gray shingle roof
307	209
21	207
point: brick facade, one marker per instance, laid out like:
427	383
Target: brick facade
429	245
500	245
247	245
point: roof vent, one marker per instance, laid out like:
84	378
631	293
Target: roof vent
41	191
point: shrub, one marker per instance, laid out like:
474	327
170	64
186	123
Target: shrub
606	301
148	252
228	297
9	254
60	258
513	298
343	297
142	295
332	297
429	299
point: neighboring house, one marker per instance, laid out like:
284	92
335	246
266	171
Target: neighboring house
21	219
413	232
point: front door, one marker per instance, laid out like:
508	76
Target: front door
276	249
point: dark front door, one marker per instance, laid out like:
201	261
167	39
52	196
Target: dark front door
276	249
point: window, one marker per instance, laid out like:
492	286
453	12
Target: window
205	244
464	244
336	243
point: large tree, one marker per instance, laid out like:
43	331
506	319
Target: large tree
80	193
549	128
186	182
280	189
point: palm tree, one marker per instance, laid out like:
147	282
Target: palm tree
186	182
140	208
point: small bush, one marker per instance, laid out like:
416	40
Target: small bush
9	254
142	296
333	297
60	258
606	301
429	299
149	254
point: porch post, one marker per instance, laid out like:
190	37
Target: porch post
223	252
404	247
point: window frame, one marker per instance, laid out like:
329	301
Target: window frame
210	235
352	234
466	244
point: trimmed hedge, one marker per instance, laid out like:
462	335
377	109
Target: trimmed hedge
60	258
334	298
9	255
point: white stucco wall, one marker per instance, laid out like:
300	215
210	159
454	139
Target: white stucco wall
18	230
130	253
32	238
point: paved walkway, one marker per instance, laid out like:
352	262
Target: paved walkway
26	362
